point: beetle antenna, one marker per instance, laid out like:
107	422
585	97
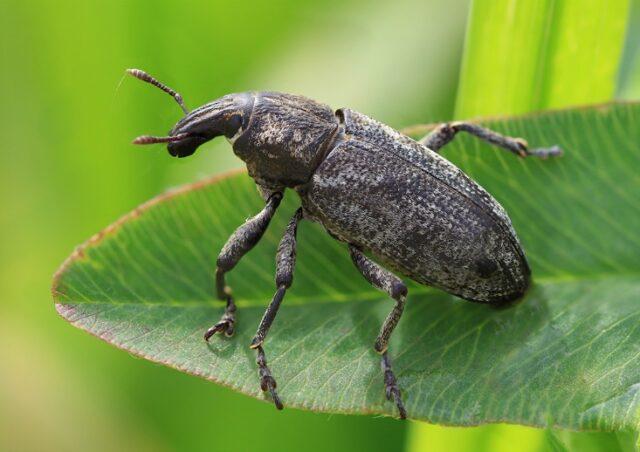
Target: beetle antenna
148	139
142	75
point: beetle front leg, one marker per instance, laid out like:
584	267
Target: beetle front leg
444	133
388	282
285	262
240	242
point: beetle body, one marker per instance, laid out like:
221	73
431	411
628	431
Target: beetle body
371	186
382	193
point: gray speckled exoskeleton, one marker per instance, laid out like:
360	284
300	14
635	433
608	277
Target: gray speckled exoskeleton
380	192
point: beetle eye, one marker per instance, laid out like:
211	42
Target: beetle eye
232	125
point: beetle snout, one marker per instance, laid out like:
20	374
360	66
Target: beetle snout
185	147
190	133
204	124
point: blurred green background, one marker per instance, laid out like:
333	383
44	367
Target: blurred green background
67	117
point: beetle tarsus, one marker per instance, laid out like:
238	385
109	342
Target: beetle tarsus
543	153
391	386
267	382
226	324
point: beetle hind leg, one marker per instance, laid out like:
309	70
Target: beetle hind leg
392	285
445	133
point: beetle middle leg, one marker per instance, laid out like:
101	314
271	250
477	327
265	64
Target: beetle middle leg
240	242
388	282
444	133
285	262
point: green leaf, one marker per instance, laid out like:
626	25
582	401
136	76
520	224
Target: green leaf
538	54
566	356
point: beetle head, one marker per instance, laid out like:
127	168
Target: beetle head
225	116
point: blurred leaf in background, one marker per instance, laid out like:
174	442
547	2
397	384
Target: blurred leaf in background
530	55
629	75
67	168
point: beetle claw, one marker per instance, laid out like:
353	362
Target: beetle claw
225	325
393	393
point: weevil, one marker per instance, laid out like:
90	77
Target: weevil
398	205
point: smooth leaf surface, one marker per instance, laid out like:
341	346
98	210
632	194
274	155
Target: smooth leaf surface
566	356
537	54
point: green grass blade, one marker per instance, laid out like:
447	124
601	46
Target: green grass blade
538	54
629	77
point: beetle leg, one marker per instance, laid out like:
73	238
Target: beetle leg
444	133
240	242
285	262
267	382
391	284
391	385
